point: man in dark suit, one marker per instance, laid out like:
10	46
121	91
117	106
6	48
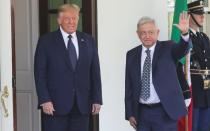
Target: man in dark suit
153	97
200	68
67	75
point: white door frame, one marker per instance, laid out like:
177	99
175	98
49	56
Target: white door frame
6	123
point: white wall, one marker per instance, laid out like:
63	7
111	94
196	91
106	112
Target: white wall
117	21
6	123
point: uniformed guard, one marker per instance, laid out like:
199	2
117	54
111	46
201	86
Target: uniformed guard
200	68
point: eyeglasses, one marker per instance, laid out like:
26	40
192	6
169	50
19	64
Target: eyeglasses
147	33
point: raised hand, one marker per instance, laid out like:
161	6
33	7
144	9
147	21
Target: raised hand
183	25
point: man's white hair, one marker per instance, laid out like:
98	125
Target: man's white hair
144	20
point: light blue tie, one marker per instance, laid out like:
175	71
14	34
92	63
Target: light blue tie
145	80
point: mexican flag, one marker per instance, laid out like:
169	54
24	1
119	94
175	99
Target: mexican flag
184	124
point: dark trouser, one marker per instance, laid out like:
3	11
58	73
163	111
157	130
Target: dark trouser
74	121
155	119
201	119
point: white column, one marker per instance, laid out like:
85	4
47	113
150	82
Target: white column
6	123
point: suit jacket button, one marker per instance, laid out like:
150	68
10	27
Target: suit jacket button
73	90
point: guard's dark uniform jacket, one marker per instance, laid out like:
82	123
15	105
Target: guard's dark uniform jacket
200	60
183	82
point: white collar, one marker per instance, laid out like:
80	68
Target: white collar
65	34
194	31
152	48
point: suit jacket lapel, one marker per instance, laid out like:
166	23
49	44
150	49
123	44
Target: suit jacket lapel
156	55
139	62
61	46
82	49
136	71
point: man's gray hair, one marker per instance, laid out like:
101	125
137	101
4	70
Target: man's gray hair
144	20
66	7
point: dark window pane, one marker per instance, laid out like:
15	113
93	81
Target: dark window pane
78	2
54	4
80	22
53	25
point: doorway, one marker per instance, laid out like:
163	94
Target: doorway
32	19
87	23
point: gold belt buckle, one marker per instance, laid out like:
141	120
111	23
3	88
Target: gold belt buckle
206	84
206	72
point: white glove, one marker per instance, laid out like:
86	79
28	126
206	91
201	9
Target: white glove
187	102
